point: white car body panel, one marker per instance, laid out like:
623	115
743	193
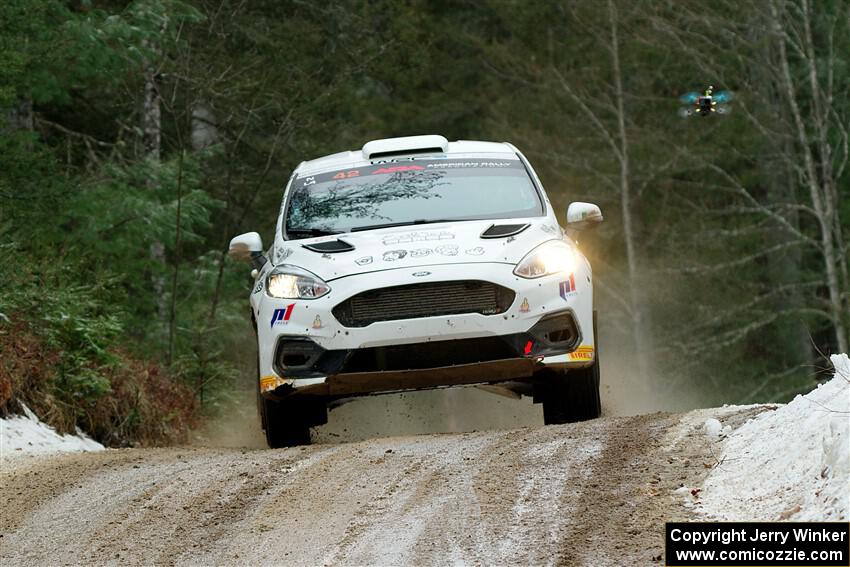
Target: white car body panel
417	254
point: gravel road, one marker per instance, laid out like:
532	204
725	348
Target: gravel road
595	493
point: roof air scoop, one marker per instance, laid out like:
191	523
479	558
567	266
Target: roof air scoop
406	145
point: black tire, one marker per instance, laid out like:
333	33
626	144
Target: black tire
287	423
260	411
571	396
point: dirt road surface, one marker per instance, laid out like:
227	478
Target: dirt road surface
594	493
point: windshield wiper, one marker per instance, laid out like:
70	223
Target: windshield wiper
405	223
312	231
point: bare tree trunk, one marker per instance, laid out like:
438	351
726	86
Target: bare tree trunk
821	102
21	117
172	316
152	151
640	335
152	114
204	131
843	253
784	268
822	201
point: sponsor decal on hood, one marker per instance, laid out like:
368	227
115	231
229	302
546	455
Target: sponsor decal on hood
402	247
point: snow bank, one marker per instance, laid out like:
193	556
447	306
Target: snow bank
789	464
27	435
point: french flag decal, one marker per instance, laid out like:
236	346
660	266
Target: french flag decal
567	287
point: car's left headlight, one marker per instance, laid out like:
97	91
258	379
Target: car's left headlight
291	282
552	257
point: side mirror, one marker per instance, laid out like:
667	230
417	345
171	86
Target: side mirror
582	216
247	247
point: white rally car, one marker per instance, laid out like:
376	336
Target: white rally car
420	263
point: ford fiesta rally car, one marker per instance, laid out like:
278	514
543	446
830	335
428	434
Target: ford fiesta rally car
420	263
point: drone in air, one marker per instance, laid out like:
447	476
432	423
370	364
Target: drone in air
706	103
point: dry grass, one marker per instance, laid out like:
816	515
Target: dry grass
144	406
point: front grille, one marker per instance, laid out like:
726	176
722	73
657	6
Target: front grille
423	300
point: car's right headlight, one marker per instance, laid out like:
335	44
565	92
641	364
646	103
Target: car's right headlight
552	257
292	282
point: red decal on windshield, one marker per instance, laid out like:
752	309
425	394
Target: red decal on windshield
398	168
347	174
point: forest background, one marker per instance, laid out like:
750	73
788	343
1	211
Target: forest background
136	138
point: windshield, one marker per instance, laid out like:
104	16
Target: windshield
409	192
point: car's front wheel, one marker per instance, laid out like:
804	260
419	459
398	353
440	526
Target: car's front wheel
287	423
571	396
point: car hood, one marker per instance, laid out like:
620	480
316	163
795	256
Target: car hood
414	246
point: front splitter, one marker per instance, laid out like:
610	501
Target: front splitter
389	381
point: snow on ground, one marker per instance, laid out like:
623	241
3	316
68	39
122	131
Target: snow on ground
27	435
789	464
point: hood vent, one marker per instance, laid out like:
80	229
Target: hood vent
329	247
503	230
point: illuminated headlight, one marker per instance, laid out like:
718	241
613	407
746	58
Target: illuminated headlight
553	257
290	282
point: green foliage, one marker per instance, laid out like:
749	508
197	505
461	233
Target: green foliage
77	264
93	261
71	318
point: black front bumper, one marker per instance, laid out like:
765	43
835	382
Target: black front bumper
300	357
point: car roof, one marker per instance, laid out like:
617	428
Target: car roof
395	148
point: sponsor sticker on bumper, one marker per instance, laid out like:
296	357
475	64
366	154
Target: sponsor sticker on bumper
268	383
582	353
